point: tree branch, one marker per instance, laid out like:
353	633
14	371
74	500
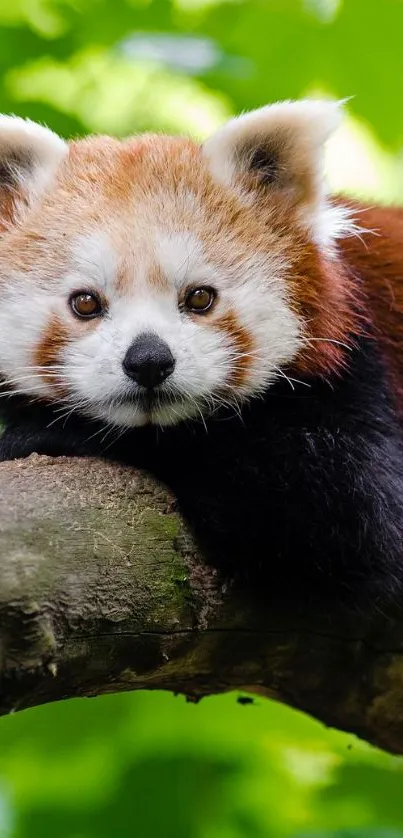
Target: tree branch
102	590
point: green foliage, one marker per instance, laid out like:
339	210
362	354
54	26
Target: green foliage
69	62
150	765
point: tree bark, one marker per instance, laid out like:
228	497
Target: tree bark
102	590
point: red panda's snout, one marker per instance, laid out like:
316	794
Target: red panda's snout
149	361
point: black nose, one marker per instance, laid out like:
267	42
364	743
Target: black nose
149	361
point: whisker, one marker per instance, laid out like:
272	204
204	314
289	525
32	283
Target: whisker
290	379
120	432
330	340
283	375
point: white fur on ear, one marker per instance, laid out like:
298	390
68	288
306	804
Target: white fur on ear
29	156
282	147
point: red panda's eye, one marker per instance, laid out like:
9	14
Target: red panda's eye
86	305
200	300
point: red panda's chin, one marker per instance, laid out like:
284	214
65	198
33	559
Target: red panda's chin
129	415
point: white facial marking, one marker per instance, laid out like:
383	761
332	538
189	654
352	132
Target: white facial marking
181	258
94	261
23	318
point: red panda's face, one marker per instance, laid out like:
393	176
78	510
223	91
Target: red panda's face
152	280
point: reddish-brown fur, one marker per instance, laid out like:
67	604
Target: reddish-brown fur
325	296
375	262
49	351
242	343
157	278
7	208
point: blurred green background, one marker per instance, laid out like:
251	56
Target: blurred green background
150	765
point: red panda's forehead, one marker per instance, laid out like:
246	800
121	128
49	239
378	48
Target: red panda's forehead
130	191
140	172
111	165
163	181
132	188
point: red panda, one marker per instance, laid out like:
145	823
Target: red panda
218	292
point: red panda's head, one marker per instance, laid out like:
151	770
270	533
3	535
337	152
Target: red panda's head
153	279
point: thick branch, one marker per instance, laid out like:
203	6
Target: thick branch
102	590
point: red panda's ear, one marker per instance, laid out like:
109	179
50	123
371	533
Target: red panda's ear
29	156
277	148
